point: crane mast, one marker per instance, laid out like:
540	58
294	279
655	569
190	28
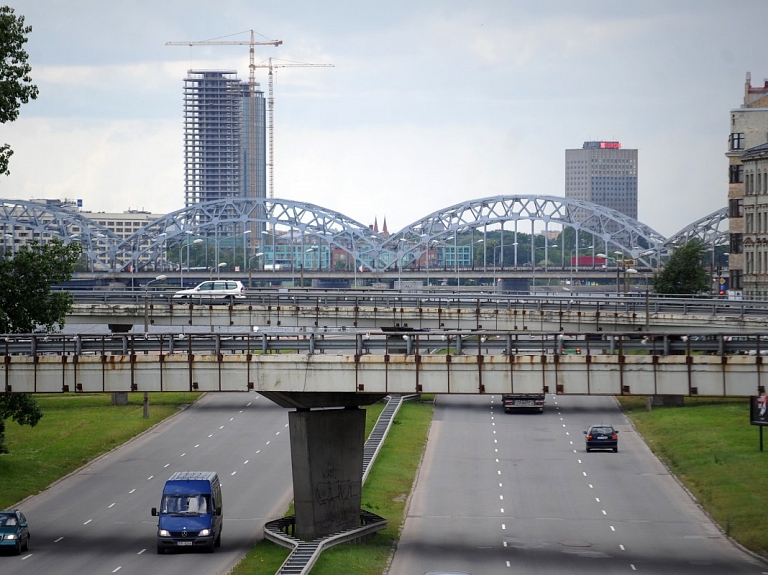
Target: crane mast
271	111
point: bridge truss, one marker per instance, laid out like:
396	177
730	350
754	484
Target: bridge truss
252	228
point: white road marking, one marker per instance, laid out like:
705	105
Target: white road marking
499	472
221	427
278	433
140	552
26	557
503	526
621	547
196	446
501	497
597	499
508	564
115	570
150	477
248	404
231	418
111	506
183	454
633	567
268	442
258	451
131	491
233	472
57	540
613	528
87	522
579	460
211	435
590	486
502	510
604	513
166	465
246	462
585	473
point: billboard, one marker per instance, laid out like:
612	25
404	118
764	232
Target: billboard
758	410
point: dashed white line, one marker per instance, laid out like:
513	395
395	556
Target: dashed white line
268	442
278	433
131	491
246	462
579	460
231	418
502	510
140	552
116	569
501	497
258	451
233	472
198	445
503	526
150	477
590	486
57	540
621	547
183	454
597	499
613	528
221	427
87	522
604	513
585	473
211	435
166	465
111	506
633	567
26	556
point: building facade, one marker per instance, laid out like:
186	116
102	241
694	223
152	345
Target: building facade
755	220
603	173
224	138
748	131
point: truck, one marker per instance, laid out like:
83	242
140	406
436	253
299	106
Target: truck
523	402
190	514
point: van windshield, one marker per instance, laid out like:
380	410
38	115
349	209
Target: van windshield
185	504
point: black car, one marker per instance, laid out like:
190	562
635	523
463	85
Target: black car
14	532
602	436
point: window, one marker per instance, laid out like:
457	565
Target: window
736	141
736	208
737	243
735	174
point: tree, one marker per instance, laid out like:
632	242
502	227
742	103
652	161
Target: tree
685	272
16	86
27	303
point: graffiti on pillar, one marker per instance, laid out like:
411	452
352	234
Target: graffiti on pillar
329	492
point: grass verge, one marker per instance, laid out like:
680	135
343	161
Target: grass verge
384	493
714	451
75	429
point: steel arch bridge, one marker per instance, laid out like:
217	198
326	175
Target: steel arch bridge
265	223
613	230
711	230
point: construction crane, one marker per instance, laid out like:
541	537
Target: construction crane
271	110
251	90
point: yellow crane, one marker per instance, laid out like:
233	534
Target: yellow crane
271	110
251	89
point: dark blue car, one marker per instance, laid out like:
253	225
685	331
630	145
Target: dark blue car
14	531
602	436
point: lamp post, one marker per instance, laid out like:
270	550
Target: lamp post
196	241
8	237
245	249
250	269
146	300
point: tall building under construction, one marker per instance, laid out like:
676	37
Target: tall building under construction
224	138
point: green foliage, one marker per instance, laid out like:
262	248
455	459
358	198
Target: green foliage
26	302
684	273
26	299
16	86
22	408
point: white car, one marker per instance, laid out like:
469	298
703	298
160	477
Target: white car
229	290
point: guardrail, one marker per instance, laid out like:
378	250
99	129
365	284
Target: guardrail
359	342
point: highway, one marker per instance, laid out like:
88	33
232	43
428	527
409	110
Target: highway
517	494
98	520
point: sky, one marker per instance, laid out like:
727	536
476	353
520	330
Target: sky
428	104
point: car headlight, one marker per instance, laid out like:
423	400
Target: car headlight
163	533
205	533
10	536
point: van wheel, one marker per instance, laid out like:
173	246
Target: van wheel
217	543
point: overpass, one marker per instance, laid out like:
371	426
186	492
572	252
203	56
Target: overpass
297	370
433	310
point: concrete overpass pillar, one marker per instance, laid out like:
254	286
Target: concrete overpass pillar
327	464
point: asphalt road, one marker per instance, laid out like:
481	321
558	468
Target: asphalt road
98	519
517	493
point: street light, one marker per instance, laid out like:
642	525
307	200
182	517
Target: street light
218	269
146	300
245	250
250	269
196	241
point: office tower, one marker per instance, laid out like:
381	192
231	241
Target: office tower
747	189
222	158
603	173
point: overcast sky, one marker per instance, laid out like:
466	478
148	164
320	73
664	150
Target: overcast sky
430	103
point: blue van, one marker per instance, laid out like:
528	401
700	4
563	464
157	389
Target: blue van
190	514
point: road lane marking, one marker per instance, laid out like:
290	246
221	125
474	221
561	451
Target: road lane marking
268	442
183	454
231	418
111	506
278	433
579	460
57	540
258	451
501	497
115	570
621	547
221	427
590	486
597	499
246	462
196	446
26	557
633	567
604	513
502	510
503	526
131	491
150	477
211	435
166	465
233	472
87	522
140	552
613	528
585	473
